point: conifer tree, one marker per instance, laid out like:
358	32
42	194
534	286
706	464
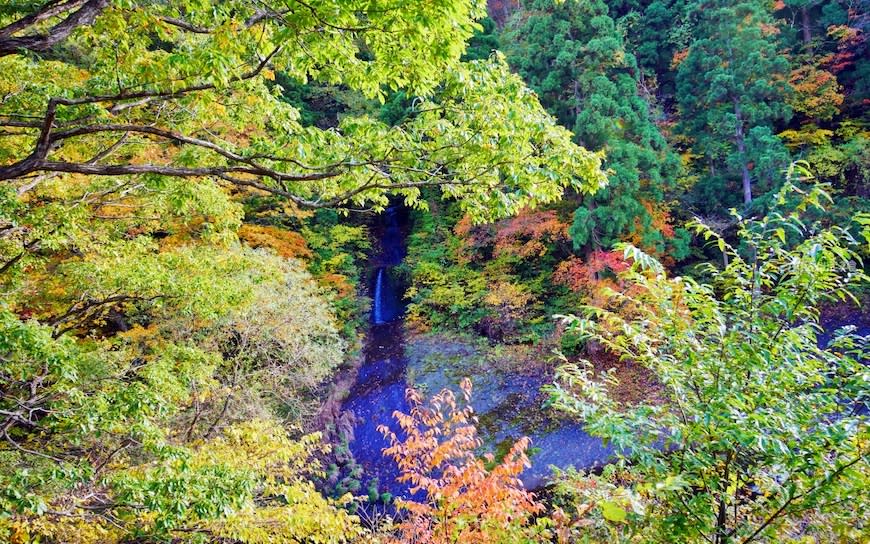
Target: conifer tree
731	92
574	55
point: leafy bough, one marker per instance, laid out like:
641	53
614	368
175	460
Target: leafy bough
760	428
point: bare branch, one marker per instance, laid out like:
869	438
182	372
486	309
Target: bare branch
109	150
184	25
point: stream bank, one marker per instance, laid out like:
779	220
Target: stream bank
507	382
507	397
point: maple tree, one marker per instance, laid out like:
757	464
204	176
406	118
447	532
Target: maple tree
464	501
816	93
593	275
529	234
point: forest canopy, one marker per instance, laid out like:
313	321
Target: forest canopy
636	229
187	91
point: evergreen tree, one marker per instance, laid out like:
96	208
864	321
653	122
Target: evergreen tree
654	47
575	56
731	92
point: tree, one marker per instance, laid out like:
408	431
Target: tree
186	90
464	502
730	92
574	55
168	427
763	426
150	358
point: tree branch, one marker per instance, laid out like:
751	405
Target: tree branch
38	42
36	160
51	9
184	25
84	306
177	171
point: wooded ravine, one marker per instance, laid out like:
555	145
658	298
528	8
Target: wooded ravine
434	271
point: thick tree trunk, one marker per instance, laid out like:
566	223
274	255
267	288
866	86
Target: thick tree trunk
739	139
86	12
805	26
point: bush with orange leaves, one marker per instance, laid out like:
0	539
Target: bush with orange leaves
529	235
464	501
600	270
286	243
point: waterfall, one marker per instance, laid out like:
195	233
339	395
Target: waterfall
378	310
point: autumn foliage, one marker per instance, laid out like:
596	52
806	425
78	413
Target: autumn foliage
849	39
287	244
817	94
464	502
528	235
598	270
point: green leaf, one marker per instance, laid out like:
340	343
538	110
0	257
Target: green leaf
613	512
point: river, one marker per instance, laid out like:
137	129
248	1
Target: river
380	385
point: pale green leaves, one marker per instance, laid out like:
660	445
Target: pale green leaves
613	512
483	139
751	400
640	261
476	131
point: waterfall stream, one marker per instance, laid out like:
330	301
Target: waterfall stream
380	385
510	402
377	311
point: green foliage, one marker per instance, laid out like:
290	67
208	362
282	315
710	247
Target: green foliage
148	354
492	279
171	307
442	292
222	337
574	55
598	507
251	485
189	91
762	426
730	91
